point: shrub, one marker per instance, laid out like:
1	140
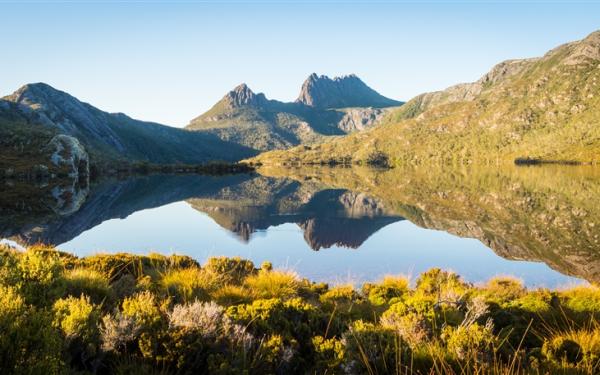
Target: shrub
143	309
89	282
442	285
390	290
29	344
291	319
39	277
504	289
114	266
188	284
374	349
470	342
231	295
414	328
231	270
273	284
582	300
77	318
329	354
537	302
117	331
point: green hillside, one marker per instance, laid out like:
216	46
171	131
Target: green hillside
546	109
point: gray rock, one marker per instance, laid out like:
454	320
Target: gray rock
66	151
341	92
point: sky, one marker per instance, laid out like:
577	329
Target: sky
170	61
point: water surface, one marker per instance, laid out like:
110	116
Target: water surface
343	225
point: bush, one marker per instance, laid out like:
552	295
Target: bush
273	284
231	295
39	277
77	318
29	344
188	284
390	290
89	282
471	342
374	349
231	270
504	289
143	309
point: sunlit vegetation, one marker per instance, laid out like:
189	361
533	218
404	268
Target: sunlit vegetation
168	314
546	112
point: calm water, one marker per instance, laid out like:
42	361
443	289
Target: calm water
341	225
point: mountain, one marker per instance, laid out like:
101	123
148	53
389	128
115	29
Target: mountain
543	109
107	137
256	122
341	92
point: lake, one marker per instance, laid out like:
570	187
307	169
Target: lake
335	224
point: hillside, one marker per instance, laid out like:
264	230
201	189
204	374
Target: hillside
38	108
545	108
326	107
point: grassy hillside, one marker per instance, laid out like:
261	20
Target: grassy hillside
546	109
155	314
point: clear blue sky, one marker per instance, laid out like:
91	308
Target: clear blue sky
170	61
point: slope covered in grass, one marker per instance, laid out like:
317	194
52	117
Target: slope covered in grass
546	109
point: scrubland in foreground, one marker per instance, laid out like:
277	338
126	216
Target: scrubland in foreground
127	314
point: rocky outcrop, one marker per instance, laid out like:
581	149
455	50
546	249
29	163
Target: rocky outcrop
341	92
358	119
242	96
67	154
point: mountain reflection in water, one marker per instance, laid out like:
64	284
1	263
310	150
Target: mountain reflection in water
541	214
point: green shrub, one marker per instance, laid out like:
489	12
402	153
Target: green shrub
329	354
231	270
373	349
39	277
471	342
188	284
390	290
504	289
143	308
114	266
273	284
231	295
442	285
29	344
77	318
89	282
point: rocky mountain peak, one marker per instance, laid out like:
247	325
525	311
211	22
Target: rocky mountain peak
340	92
242	95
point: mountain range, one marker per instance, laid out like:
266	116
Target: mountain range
39	123
544	109
325	107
